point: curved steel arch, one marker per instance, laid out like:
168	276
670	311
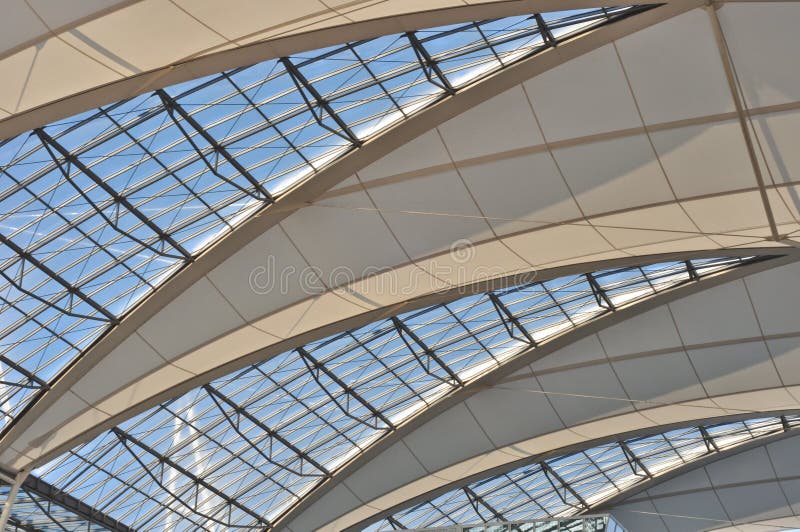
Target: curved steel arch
613	504
248	409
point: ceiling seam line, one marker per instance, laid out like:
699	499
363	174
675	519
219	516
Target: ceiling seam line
589	139
685	350
576	222
563	176
763	338
475	201
652	144
774	470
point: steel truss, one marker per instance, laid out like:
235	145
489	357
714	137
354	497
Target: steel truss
477	502
564	489
408	336
316	369
51	144
173	107
221	399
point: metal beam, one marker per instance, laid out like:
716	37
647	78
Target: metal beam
95	207
127	439
217	395
166	170
742	115
22	371
476	499
303	86
600	294
12	498
691	270
69	287
634	461
15	525
49	492
708	440
314	365
563	487
119	198
396	524
507	316
544	30
429	65
172	107
267	120
403	330
33	295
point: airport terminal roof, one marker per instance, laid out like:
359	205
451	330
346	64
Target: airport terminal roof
383	264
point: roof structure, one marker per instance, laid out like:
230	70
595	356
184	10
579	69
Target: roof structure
582	481
106	206
733	492
375	265
264	436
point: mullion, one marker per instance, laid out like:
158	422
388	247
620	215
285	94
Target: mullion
314	414
267	120
171	173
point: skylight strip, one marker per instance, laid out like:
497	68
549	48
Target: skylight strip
325	407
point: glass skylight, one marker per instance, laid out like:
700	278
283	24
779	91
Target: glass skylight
569	485
242	450
98	210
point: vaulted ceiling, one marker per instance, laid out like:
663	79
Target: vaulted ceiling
338	265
